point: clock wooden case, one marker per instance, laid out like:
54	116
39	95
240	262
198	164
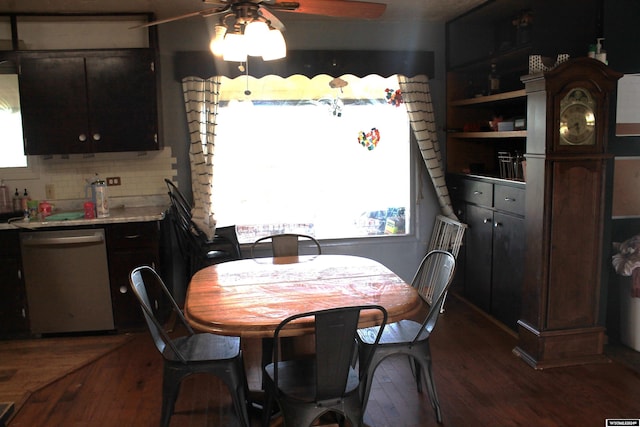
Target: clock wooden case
567	160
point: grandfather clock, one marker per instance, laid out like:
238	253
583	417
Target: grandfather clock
567	118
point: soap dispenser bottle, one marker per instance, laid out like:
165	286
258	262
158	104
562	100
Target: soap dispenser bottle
17	204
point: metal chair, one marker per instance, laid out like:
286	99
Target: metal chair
432	280
308	388
286	244
193	353
193	242
447	235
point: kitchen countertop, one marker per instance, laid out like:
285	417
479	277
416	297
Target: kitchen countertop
121	213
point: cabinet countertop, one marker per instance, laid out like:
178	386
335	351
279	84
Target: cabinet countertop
490	179
116	215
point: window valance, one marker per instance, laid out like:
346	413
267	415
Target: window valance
310	63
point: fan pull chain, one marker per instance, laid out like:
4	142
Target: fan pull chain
246	73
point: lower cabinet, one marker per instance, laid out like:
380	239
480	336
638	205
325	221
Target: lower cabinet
13	299
507	268
479	256
494	244
130	245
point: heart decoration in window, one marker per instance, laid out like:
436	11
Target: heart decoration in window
370	139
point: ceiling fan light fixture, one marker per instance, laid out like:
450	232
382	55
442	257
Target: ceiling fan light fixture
217	41
255	34
274	46
235	48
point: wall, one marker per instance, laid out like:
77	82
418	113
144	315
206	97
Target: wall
141	174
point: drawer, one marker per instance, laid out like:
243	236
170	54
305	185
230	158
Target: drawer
510	199
480	193
133	234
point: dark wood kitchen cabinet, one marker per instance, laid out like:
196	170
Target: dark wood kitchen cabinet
494	243
130	245
13	300
88	102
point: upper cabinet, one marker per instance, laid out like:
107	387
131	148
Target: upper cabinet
486	126
88	83
85	102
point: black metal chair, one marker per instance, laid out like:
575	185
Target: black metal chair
286	244
193	242
324	382
193	353
432	280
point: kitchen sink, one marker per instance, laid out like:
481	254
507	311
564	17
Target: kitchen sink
5	216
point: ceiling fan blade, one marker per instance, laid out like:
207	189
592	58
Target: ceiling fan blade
275	22
335	8
203	13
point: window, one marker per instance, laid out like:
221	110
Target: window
11	123
289	158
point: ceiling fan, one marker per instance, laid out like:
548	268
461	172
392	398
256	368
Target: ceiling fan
248	27
331	8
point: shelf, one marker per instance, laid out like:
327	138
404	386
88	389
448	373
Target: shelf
490	134
505	96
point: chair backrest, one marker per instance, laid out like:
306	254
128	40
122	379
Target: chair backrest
178	197
434	274
335	334
432	281
191	238
447	235
286	244
151	291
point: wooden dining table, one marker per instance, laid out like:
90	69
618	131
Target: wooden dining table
248	298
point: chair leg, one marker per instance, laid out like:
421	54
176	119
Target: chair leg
267	405
366	378
170	387
416	371
425	367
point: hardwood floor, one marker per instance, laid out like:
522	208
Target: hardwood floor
480	383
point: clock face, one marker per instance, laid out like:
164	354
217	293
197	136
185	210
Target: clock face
577	118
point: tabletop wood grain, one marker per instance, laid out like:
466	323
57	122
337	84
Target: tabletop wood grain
249	297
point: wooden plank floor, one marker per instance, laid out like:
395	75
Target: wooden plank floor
479	381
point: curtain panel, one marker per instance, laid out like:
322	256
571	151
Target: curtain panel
416	95
201	105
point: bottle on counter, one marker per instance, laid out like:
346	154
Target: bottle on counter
99	197
89	210
493	86
6	204
24	202
17	204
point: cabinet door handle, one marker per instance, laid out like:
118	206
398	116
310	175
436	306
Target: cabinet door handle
132	236
509	199
497	224
486	221
82	137
97	137
477	193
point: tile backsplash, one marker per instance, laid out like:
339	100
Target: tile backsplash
67	177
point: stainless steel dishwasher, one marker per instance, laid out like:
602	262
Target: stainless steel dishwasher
67	280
